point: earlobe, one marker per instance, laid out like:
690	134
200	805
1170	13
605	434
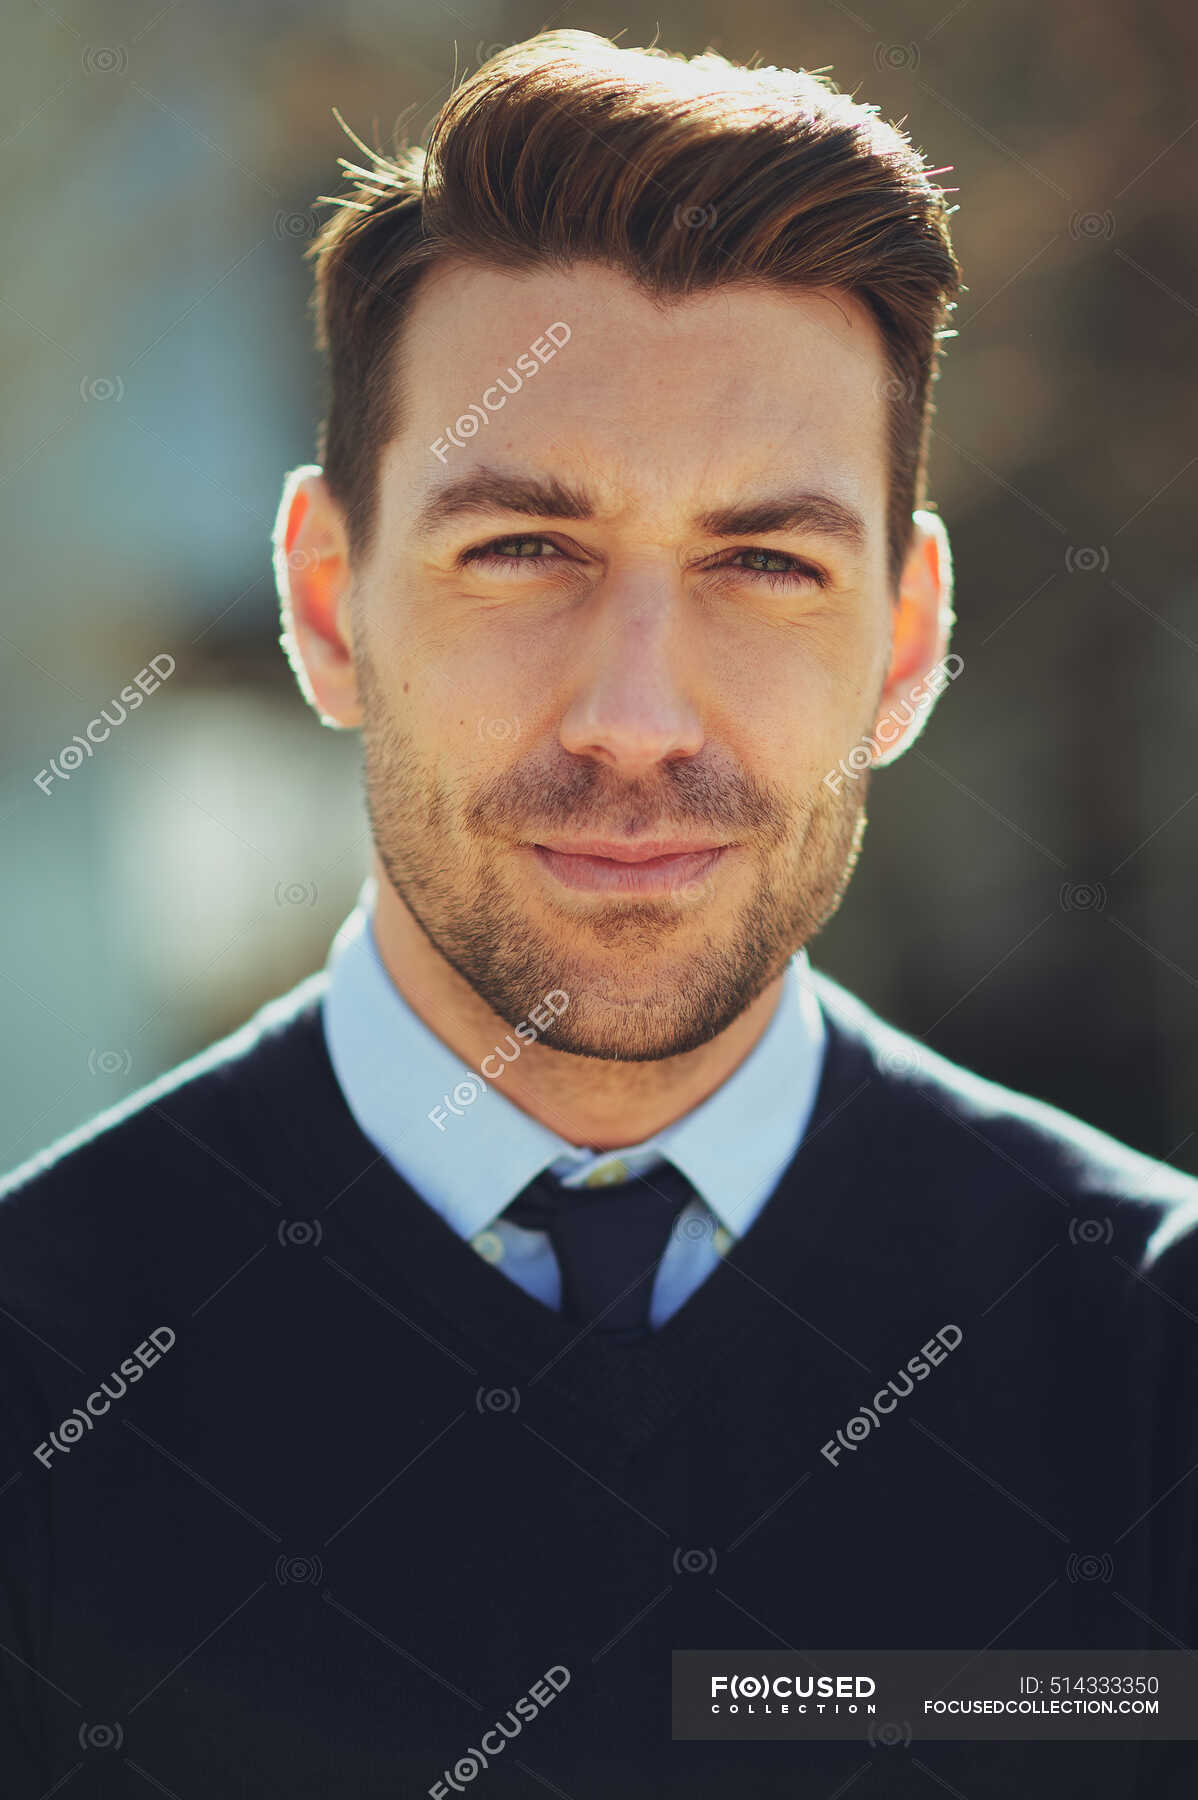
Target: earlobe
312	573
920	666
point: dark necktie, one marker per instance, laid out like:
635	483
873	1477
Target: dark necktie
608	1242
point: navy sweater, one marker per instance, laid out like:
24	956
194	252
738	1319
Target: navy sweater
300	1495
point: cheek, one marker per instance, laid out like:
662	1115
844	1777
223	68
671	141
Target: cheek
789	709
486	687
453	689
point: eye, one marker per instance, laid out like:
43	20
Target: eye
507	550
782	571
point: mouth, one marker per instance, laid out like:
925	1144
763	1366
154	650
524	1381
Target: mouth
645	868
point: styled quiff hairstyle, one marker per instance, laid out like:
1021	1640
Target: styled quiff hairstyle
684	174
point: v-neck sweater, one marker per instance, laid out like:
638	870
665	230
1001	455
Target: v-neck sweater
370	1490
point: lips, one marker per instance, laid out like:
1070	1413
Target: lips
643	868
642	850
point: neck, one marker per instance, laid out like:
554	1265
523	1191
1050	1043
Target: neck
591	1103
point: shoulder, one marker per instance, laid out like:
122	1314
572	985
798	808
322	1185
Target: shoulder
169	1176
930	1116
209	1089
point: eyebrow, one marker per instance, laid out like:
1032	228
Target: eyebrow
486	490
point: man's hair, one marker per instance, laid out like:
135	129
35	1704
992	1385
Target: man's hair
684	174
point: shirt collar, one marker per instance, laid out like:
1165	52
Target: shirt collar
468	1150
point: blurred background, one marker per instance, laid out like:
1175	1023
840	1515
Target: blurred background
1026	897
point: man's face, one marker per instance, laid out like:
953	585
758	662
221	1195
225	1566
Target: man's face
624	660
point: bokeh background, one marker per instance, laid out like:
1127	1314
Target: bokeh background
1026	897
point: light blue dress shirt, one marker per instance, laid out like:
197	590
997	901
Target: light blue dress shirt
470	1158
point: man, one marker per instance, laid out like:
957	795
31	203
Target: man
570	1275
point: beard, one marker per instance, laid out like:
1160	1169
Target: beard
646	979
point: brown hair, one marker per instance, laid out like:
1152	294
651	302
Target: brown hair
682	173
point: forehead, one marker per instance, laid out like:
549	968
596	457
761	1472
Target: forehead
661	410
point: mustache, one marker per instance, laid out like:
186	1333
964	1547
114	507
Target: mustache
587	797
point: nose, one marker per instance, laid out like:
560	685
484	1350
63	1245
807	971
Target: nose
632	704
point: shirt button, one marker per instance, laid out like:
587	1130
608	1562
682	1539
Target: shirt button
606	1174
489	1245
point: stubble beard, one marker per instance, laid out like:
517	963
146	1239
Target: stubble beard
632	998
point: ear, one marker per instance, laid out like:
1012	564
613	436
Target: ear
312	574
923	619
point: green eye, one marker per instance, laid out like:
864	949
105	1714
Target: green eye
494	552
786	570
780	570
